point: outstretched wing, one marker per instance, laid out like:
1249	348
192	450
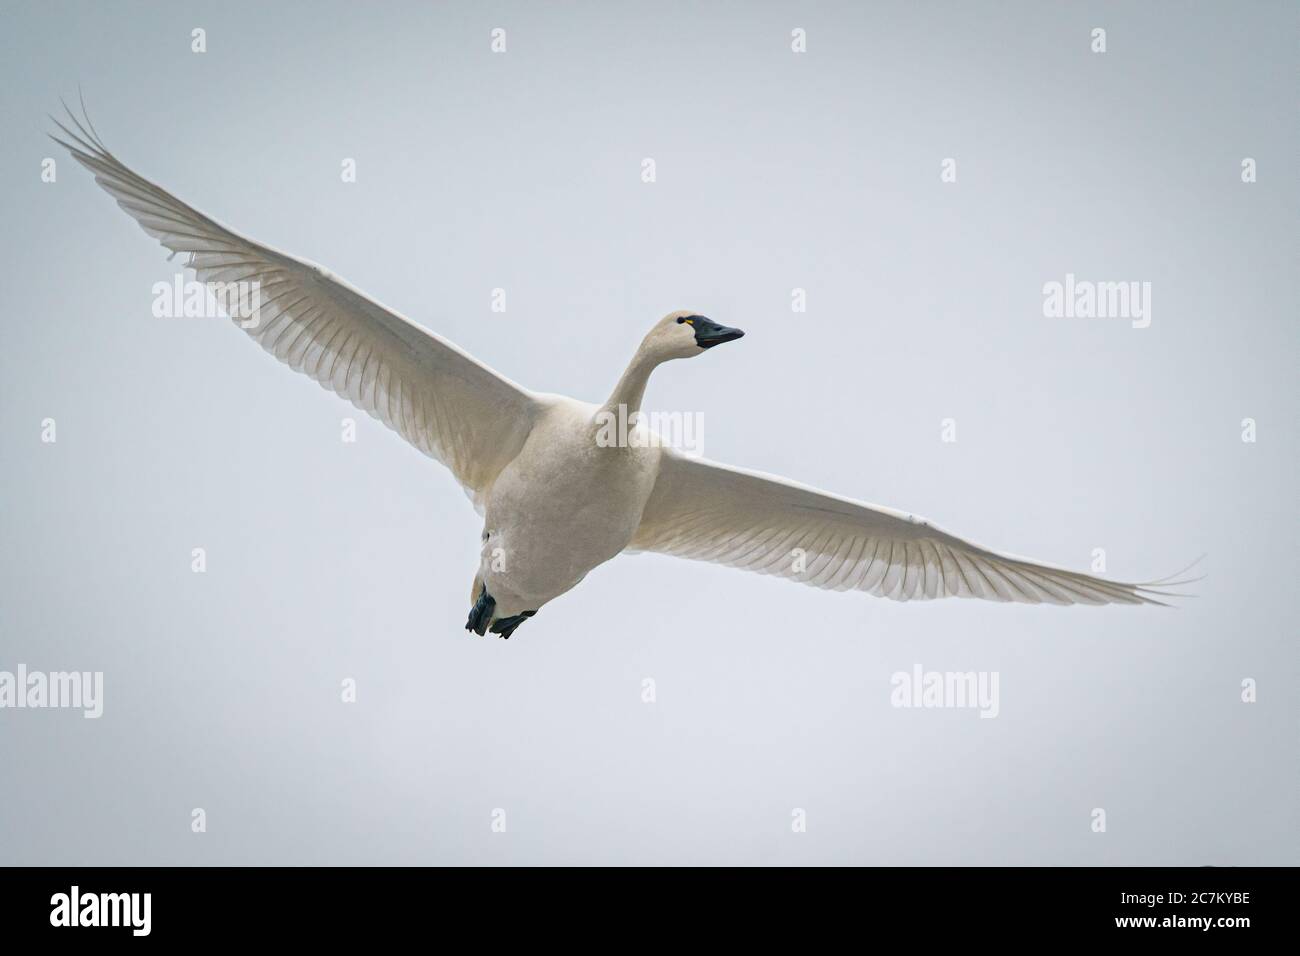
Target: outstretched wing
440	399
745	519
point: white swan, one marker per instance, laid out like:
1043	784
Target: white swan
556	501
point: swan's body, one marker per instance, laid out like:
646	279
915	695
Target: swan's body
557	501
561	487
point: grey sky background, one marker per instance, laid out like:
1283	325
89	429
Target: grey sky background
775	170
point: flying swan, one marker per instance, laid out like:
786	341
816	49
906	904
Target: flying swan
556	501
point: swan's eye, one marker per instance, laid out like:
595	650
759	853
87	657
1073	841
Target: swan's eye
683	318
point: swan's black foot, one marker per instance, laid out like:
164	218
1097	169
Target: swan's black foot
506	625
481	613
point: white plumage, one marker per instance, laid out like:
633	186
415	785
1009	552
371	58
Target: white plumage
555	502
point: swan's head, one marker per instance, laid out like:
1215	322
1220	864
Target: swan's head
686	333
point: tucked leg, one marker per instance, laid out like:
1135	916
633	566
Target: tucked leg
480	615
506	625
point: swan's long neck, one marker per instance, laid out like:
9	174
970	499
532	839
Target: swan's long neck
630	389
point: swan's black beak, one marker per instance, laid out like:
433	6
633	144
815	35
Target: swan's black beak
708	333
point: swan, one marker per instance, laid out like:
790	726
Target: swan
556	502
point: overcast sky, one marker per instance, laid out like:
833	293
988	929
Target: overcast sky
775	170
